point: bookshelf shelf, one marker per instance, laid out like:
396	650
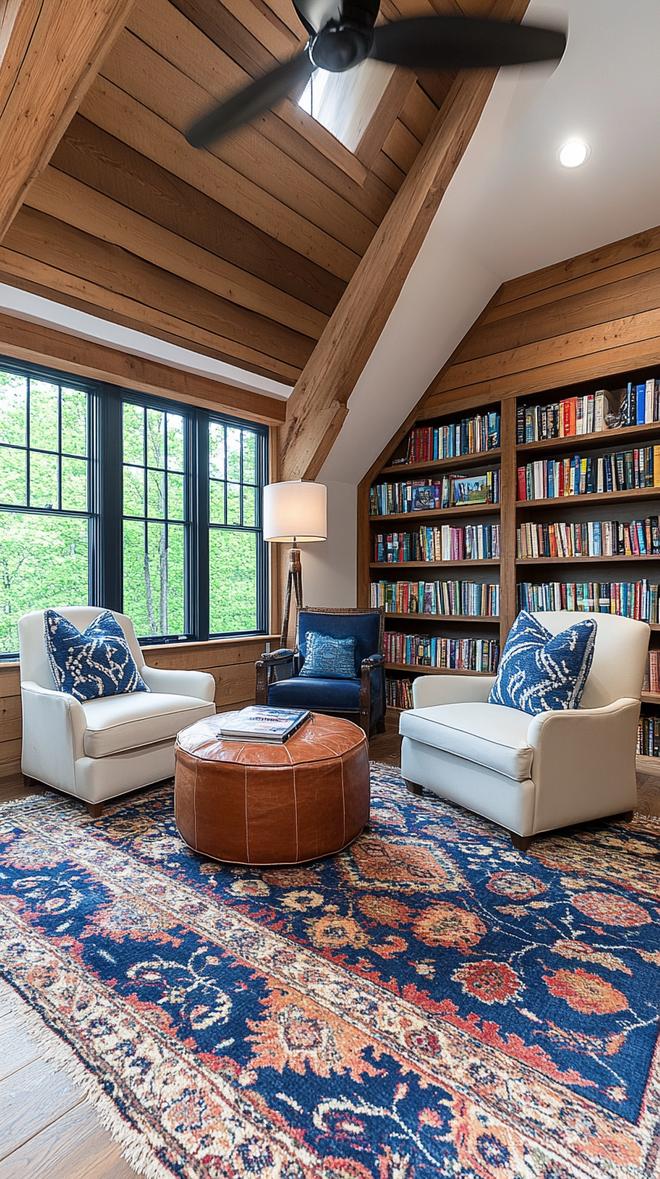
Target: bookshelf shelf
458	462
527	561
603	438
645	765
441	513
478	619
476	564
603	497
651	697
421	669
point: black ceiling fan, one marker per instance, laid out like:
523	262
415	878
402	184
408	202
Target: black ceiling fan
343	33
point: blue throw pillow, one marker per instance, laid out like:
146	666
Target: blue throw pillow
542	672
92	663
329	658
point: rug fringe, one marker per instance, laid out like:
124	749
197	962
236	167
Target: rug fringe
137	1153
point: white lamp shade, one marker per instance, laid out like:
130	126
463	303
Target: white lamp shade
295	511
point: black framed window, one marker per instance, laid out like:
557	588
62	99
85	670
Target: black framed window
236	461
156	518
132	502
45	496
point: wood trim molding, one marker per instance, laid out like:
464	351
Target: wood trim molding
25	340
51	53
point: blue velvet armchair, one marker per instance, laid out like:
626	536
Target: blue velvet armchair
361	699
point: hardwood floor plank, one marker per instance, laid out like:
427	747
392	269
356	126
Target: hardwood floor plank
30	1099
74	1146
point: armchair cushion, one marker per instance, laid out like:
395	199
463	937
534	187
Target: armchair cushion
489	735
92	663
330	695
329	658
544	672
132	721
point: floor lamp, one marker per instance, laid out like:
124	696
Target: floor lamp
294	513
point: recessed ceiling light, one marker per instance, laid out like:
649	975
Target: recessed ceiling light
573	153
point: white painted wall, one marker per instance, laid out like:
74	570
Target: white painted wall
329	567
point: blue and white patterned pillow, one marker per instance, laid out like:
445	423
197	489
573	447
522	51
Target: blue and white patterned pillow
542	672
328	658
92	663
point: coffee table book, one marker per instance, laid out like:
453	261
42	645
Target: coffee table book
260	723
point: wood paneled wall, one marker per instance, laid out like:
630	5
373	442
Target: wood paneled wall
582	319
229	661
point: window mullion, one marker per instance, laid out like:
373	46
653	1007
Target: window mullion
198	547
107	445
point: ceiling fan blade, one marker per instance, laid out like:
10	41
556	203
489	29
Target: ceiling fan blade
315	14
461	43
251	101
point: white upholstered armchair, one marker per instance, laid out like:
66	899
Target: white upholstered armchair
533	773
103	748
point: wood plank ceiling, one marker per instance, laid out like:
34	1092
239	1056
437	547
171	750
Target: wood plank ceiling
241	252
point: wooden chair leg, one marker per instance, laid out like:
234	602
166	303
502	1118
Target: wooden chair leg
413	787
95	809
521	842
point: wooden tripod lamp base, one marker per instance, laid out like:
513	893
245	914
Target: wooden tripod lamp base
295	513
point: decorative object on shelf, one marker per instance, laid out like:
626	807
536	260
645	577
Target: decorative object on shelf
295	512
471	489
360	698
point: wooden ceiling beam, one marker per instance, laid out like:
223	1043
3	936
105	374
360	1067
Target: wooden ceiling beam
25	340
318	405
50	53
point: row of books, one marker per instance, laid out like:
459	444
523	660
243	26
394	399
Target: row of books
593	538
436	597
578	475
652	677
470	435
398	693
561	419
648	736
419	495
635	405
632	599
431	651
471	542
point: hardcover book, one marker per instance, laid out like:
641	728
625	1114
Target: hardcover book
261	723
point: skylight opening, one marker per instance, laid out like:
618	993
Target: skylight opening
345	103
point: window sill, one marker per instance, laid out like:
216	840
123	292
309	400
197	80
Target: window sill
193	645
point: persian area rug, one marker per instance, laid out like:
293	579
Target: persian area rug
429	1003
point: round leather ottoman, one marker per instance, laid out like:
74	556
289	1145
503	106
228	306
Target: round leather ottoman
272	804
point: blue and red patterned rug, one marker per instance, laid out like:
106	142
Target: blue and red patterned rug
429	1003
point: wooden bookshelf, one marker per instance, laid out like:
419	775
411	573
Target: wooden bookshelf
423	669
509	569
480	458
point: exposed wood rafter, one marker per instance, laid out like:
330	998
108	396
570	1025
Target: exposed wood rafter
50	53
319	404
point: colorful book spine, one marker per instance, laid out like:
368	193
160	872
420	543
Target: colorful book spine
623	470
589	538
652	677
398	693
632	599
424	495
470	435
648	736
463	598
569	417
436	651
471	542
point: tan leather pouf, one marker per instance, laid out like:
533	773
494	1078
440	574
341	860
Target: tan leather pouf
272	804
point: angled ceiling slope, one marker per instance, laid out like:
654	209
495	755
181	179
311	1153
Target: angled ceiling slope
511	208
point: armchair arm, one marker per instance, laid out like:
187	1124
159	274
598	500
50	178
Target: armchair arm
372	692
584	763
451	689
376	660
53	729
198	684
271	666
